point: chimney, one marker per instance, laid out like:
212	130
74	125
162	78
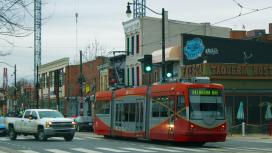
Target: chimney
270	28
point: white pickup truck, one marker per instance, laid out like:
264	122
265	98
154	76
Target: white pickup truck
42	123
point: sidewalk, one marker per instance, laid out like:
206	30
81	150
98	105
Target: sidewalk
250	136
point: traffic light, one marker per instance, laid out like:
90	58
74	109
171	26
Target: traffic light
169	70
148	63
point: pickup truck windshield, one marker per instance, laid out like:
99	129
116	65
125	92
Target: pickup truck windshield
50	114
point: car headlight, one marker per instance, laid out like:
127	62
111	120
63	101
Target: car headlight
48	124
74	124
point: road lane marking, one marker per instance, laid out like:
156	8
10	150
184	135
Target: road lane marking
28	151
94	138
187	149
139	150
166	150
56	151
85	150
4	139
260	149
112	150
240	149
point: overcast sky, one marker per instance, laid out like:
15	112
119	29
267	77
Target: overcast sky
102	20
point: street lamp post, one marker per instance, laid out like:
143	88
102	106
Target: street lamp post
128	12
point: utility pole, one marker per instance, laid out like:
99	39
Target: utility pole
56	87
37	87
15	92
81	79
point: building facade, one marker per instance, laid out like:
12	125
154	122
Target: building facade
244	67
112	72
143	36
52	86
91	84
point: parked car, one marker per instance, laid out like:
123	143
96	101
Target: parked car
42	124
2	126
84	123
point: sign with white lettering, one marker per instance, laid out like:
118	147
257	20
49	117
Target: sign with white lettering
197	49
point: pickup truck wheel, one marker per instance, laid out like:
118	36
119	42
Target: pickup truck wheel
69	138
41	135
12	134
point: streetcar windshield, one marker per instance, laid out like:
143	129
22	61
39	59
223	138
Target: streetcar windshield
206	103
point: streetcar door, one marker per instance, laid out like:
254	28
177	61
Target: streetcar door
171	115
139	113
118	119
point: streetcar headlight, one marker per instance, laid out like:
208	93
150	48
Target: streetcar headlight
171	126
192	126
48	124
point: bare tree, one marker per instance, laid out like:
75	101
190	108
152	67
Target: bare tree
94	49
14	21
13	14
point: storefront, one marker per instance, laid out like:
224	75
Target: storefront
244	67
248	86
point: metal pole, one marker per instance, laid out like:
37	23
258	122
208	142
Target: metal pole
163	45
81	86
243	128
37	87
15	92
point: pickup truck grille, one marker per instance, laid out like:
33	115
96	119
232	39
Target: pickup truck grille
59	125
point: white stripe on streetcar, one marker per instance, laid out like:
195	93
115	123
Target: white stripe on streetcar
187	149
161	149
28	151
56	151
139	150
113	150
85	150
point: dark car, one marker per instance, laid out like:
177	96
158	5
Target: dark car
84	123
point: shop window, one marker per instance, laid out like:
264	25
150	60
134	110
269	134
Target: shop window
240	102
229	110
254	110
266	104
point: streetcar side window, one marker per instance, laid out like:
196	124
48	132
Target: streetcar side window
102	107
155	109
181	107
160	106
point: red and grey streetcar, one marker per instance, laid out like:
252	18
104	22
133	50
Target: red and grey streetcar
180	112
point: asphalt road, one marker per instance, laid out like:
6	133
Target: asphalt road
90	143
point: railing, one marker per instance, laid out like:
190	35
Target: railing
251	129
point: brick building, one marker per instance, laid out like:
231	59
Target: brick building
91	84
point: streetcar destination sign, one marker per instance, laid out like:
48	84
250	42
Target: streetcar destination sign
205	92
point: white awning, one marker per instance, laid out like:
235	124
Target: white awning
171	54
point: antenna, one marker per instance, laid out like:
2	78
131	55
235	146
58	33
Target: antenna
139	9
37	36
